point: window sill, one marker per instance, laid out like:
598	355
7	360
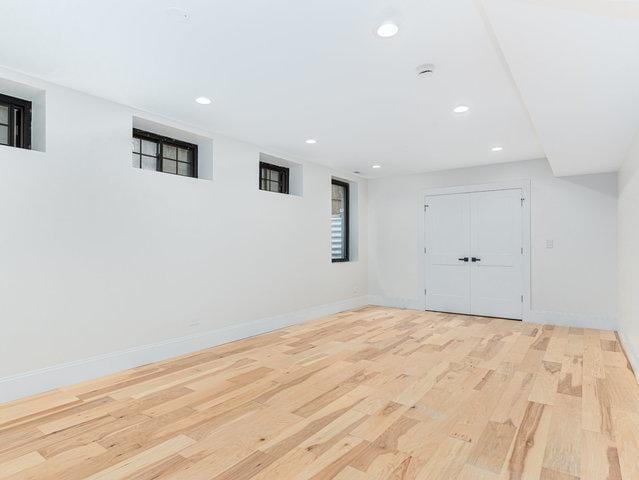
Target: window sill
22	151
143	171
280	194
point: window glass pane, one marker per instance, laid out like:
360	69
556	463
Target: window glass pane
149	163
169	151
273	186
135	145
149	148
338	222
184	155
338	199
184	169
4	135
170	166
136	160
4	114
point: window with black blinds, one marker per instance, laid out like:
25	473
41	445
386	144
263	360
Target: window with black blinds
339	221
162	154
15	122
274	178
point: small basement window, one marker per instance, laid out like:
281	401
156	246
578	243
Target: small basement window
274	178
163	154
15	122
339	221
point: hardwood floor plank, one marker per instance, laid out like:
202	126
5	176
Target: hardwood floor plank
626	426
18	464
600	458
563	447
527	454
493	446
148	457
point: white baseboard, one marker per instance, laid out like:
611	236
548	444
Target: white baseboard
632	352
603	322
383	301
56	376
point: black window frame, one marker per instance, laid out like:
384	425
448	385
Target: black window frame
24	106
173	142
347	208
285	173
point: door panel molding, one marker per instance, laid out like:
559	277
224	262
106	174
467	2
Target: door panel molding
449	216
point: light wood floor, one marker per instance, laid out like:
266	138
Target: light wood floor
376	393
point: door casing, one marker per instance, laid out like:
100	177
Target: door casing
524	185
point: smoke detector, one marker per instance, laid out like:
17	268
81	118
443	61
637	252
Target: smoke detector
425	70
178	15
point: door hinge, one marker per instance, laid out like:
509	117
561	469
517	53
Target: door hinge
424	291
425	207
424	249
522	250
522	299
522	201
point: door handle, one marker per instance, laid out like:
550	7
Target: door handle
475	259
464	259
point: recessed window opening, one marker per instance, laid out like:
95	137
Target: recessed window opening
162	154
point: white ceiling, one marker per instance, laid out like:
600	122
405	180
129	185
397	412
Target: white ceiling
281	71
576	64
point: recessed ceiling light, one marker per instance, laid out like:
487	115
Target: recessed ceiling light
387	30
203	100
497	149
461	109
311	141
377	166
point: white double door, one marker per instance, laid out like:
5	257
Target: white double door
474	253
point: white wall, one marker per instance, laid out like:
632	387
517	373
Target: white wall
97	257
629	254
573	283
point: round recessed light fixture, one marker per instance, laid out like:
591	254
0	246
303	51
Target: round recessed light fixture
311	141
461	109
203	100
497	149
377	166
387	30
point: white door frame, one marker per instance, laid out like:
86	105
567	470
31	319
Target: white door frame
524	185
